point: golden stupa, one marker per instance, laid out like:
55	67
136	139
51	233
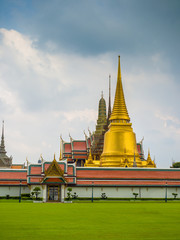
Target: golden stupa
120	147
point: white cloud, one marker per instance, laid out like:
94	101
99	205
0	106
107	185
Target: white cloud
43	95
88	115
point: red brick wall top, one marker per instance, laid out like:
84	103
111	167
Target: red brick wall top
129	183
127	174
13	175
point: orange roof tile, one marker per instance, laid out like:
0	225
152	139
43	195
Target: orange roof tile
79	145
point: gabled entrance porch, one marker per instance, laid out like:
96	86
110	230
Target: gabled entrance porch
55	182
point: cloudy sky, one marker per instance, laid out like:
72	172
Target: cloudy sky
55	59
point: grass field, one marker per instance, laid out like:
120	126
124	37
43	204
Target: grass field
89	221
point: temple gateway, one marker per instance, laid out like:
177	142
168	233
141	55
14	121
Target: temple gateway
109	162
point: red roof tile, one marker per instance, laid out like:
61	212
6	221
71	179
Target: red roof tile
70	170
37	179
54	180
138	148
35	170
12	182
70	180
81	145
46	165
67	148
17	166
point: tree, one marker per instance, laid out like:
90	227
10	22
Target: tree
69	193
36	191
135	195
74	196
175	195
176	165
103	195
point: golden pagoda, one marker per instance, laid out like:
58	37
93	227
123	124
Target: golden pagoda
120	147
90	161
150	162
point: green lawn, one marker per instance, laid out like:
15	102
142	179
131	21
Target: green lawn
89	221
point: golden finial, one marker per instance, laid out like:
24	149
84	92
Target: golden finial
27	161
141	142
54	157
85	135
71	139
119	109
42	160
89	132
90	159
61	137
149	156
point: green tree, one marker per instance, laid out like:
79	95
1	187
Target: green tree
175	195
36	191
69	193
103	195
176	165
135	195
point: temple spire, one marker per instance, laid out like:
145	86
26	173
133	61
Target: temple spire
2	147
109	106
149	160
119	111
89	161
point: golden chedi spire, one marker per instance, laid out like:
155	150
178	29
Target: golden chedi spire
120	135
119	109
150	163
89	162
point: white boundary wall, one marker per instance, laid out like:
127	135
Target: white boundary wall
125	192
111	192
13	191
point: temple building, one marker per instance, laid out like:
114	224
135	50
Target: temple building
120	147
108	162
76	151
